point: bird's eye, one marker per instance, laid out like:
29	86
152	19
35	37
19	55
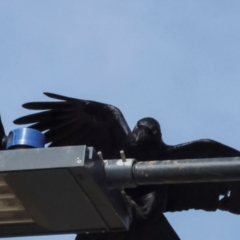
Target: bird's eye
154	131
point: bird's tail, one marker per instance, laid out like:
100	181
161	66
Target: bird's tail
3	137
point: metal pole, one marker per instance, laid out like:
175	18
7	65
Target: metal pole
130	173
187	171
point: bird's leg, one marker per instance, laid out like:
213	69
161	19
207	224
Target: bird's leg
148	203
153	201
132	205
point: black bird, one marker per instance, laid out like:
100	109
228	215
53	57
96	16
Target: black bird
74	122
3	137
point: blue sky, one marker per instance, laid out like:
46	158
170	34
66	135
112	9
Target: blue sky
175	61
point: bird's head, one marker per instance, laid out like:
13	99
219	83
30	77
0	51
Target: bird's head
147	130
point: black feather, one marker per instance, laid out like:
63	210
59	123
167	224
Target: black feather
3	137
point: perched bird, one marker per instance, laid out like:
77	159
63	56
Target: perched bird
81	122
3	137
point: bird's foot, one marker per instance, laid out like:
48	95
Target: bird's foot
132	205
145	205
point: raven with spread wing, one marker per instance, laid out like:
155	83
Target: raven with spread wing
80	122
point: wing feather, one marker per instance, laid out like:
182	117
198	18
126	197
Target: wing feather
74	121
199	195
203	148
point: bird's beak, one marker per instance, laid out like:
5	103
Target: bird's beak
139	135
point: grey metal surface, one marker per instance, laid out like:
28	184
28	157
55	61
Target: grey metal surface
42	158
187	171
64	190
55	201
108	202
120	173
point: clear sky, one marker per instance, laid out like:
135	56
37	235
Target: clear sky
176	61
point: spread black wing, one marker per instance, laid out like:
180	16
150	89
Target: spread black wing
204	148
203	195
79	122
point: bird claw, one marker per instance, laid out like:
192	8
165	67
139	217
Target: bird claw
147	203
133	205
145	206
